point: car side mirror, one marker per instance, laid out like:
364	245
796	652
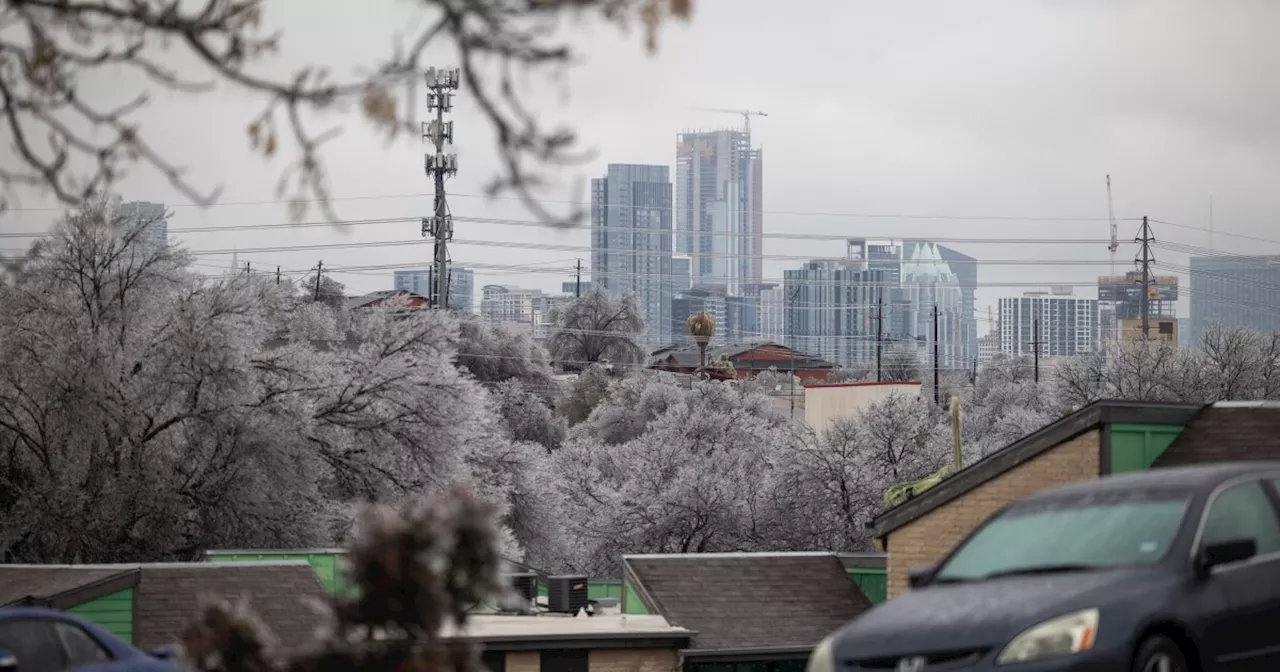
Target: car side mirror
164	652
1225	553
919	577
8	661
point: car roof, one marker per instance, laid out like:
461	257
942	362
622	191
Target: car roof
1193	478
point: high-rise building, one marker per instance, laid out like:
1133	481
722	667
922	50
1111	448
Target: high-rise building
1068	325
772	313
151	216
681	273
830	308
921	275
462	285
720	216
836	307
631	241
1235	292
1120	301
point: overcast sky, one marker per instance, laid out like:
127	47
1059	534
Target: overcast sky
976	109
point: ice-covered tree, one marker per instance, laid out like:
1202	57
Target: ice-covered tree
696	476
597	328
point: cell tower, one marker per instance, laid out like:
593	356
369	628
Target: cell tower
441	84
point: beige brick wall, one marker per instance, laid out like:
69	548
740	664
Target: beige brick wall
604	660
925	540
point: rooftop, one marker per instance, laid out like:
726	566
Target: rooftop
563	626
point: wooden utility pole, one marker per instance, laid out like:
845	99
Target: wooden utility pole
577	282
319	270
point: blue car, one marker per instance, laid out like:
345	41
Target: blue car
43	640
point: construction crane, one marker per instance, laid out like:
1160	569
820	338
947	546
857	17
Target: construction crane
746	115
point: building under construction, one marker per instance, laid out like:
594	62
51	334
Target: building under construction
1120	305
719	201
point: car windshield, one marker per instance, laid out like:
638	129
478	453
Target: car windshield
1070	534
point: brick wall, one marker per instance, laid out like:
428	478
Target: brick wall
925	540
604	660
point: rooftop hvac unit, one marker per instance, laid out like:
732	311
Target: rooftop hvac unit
525	585
566	594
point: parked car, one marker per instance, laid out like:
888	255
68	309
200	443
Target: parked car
43	640
1169	570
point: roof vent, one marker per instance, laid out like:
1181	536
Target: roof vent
566	594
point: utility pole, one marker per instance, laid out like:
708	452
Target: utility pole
1035	345
1144	262
319	270
879	334
277	275
247	270
577	282
792	355
937	394
441	83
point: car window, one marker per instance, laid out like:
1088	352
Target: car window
1092	531
34	644
82	649
1243	512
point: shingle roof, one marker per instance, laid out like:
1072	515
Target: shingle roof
40	585
745	601
1227	431
166	595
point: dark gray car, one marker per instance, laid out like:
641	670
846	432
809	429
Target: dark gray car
1171	570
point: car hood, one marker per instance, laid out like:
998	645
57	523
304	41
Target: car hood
979	614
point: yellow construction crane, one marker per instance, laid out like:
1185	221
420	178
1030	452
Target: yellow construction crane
746	115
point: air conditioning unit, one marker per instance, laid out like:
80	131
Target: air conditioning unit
524	584
566	594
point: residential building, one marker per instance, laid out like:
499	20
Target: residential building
1120	299
1236	292
1068	324
1103	438
507	303
747	359
462	285
151	216
631	240
720	216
